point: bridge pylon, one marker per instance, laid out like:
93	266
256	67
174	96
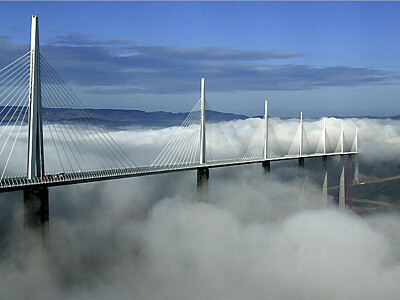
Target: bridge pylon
36	200
202	173
356	162
301	159
202	122
266	164
35	132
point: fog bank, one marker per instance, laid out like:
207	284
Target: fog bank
259	236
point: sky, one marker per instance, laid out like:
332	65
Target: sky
325	59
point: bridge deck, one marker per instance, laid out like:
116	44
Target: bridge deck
22	183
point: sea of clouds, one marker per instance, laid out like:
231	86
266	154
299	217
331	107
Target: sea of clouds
257	237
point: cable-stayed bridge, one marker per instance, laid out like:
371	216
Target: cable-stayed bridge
32	93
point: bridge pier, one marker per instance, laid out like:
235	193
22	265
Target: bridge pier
346	182
356	169
301	163
300	169
349	182
202	183
324	194
342	183
36	210
266	165
301	177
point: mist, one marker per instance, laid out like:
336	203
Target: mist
257	237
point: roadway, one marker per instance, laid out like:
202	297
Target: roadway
22	183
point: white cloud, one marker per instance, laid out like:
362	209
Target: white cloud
258	237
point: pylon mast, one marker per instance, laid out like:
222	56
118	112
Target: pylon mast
202	123
324	133
342	139
301	134
35	137
266	130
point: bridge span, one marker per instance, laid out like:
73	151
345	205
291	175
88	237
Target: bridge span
54	179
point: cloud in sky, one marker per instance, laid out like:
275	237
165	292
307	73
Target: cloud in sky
120	67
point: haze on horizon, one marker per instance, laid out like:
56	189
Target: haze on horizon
323	58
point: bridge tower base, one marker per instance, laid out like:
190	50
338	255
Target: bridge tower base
266	166
349	183
202	183
356	169
324	194
300	169
36	210
342	183
301	162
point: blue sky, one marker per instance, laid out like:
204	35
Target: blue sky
325	58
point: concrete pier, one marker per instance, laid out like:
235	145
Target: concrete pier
349	183
342	183
356	169
36	210
324	194
301	163
202	183
266	166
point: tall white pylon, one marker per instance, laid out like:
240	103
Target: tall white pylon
342	138
356	139
301	134
35	138
356	168
266	130
324	133
202	122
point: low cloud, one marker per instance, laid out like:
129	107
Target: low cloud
258	237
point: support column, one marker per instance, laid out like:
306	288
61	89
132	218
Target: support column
324	194
301	175
202	184
301	163
349	183
266	164
36	210
356	169
35	166
342	187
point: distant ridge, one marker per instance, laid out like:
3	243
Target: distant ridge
125	117
120	117
367	117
